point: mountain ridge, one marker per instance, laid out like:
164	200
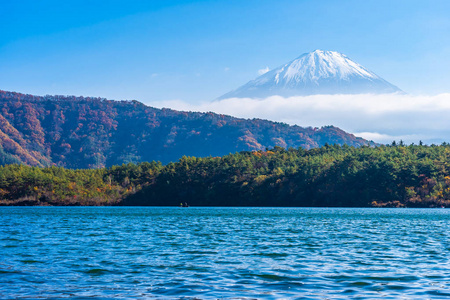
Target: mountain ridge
87	132
317	72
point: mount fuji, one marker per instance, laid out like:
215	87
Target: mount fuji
317	72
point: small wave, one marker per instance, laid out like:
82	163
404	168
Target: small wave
96	271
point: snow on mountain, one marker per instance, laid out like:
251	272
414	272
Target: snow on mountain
317	72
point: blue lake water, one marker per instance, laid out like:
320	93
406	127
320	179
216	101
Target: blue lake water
229	253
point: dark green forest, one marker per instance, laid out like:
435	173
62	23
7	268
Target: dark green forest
385	176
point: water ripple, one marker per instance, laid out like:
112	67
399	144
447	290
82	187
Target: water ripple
223	253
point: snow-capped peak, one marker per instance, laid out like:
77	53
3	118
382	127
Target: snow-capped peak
323	64
317	72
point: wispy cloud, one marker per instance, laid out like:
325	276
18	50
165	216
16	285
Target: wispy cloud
382	118
263	71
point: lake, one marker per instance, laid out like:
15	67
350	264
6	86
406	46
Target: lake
229	253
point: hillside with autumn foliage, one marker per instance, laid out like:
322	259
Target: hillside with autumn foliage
86	132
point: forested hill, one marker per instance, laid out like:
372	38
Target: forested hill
85	132
393	176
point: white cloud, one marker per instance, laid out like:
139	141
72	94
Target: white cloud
387	139
263	71
382	118
226	69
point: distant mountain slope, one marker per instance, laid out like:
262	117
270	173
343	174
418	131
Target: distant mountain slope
79	132
318	72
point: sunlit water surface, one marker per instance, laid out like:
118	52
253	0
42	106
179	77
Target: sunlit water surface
229	253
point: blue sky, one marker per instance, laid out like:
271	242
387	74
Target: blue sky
198	50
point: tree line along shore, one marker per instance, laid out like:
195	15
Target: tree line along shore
394	175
